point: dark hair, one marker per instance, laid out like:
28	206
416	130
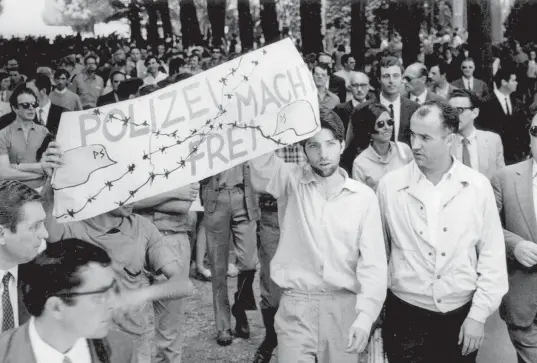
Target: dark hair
90	56
423	71
464	93
43	82
442	66
367	116
324	66
450	116
115	72
195	55
390	61
129	87
150	88
504	73
56	270
176	64
146	63
331	121
21	89
13	196
62	72
345	58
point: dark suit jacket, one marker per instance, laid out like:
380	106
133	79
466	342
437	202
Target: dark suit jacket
513	129
337	85
24	315
53	119
513	188
407	110
480	88
15	347
106	99
430	96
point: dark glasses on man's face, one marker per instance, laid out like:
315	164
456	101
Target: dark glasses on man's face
381	124
27	105
533	131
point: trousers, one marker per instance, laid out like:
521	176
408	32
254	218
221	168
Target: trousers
269	236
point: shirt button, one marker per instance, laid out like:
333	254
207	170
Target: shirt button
430	253
438	277
439	301
421	232
421	208
445	229
443	254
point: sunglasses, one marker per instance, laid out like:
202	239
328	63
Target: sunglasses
381	124
533	131
27	105
462	109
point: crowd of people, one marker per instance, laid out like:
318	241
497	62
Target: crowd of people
411	211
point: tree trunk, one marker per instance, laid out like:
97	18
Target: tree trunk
269	21
480	37
310	26
152	25
408	23
190	27
358	31
216	9
164	11
135	26
246	25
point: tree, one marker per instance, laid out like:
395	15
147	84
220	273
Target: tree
246	24
269	21
216	9
480	36
520	25
190	27
152	24
310	26
358	31
407	18
81	13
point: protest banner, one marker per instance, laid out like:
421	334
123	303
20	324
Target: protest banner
124	152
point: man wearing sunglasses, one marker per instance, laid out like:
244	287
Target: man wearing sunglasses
70	291
20	141
415	82
516	195
477	149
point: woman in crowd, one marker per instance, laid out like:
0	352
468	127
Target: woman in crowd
380	155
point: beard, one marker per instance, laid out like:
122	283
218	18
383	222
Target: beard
325	173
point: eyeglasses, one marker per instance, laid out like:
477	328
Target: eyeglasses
360	85
462	109
533	131
27	105
381	124
99	295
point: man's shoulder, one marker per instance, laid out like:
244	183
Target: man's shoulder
457	83
395	179
489	136
7	120
409	103
15	345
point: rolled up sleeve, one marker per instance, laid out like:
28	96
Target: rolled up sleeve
270	174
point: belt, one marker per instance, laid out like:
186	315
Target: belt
237	186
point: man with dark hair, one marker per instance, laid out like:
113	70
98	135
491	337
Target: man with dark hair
20	141
22	235
116	77
468	82
438	74
326	98
415	82
348	62
70	290
502	114
47	114
61	95
129	88
154	75
335	84
446	250
87	84
331	295
400	107
477	149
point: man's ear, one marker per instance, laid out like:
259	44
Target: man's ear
2	235
475	111
342	147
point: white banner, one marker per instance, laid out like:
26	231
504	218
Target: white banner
121	153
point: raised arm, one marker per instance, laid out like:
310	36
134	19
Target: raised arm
270	174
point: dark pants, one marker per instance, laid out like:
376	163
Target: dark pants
415	335
269	236
525	342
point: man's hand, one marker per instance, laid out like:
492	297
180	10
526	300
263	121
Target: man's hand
471	335
526	253
357	340
188	192
52	158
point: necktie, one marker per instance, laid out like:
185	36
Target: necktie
466	153
66	359
8	319
507	106
40	116
391	111
392	117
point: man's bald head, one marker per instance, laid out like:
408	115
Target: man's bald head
415	78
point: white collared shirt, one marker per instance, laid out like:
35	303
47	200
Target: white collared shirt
62	91
501	97
338	240
154	80
13	293
44	353
462	258
468	83
396	113
421	98
472	149
44	113
355	102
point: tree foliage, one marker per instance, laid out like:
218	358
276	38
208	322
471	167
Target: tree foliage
520	23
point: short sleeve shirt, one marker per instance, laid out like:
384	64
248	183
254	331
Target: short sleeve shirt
136	247
21	150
